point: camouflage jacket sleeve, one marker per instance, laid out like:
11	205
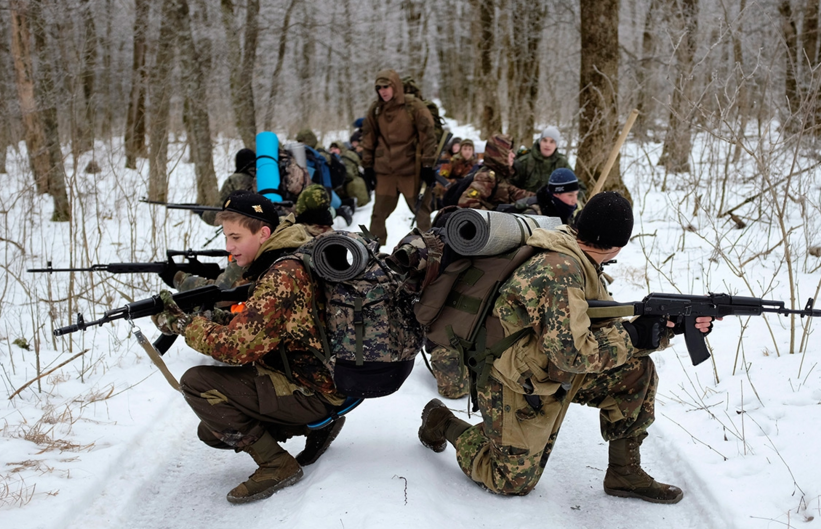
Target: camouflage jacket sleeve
547	294
478	193
508	194
277	319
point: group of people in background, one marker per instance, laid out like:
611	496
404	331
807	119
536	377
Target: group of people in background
394	150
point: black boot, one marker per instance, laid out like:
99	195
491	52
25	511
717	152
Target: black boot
318	441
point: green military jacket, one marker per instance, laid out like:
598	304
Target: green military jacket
533	170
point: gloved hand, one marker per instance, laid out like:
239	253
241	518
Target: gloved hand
428	175
172	320
645	331
168	274
370	178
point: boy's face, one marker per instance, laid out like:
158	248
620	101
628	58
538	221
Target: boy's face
466	151
547	146
241	243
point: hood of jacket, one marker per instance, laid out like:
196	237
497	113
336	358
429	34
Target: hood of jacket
288	236
396	83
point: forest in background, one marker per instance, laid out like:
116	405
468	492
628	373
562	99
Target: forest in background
150	71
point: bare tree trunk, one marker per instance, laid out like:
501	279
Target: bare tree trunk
490	118
87	75
526	25
283	42
107	76
24	76
46	93
809	60
305	70
135	119
345	78
200	127
159	85
598	93
809	36
790	36
742	98
675	154
414	11
5	66
645	70
69	68
242	68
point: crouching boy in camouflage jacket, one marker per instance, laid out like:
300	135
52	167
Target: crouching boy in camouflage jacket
565	358
252	405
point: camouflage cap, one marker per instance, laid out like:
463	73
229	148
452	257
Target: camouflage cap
252	205
313	206
313	197
496	151
307	137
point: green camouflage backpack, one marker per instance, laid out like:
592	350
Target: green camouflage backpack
370	337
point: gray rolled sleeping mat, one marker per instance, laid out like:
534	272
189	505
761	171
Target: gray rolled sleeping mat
476	232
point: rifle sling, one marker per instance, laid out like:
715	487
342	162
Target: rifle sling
156	358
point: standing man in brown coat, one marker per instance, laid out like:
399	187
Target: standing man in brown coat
399	151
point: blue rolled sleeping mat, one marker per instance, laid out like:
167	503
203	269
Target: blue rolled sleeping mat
268	166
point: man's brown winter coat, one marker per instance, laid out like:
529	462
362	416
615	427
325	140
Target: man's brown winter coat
391	131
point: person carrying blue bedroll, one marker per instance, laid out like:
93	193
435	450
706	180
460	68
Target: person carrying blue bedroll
329	170
275	387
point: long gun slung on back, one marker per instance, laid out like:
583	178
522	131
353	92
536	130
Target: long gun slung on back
683	309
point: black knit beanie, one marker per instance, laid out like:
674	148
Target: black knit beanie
245	160
606	220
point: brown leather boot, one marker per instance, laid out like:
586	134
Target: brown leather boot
277	469
318	441
439	426
625	477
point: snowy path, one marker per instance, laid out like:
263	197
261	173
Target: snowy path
170	479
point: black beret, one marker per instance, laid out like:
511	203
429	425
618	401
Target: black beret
252	205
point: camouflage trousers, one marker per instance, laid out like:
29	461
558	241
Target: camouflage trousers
237	405
508	451
450	371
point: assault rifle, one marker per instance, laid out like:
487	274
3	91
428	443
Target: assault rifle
204	297
683	309
439	148
199	208
193	266
185	205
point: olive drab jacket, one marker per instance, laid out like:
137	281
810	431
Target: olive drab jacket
392	131
549	294
533	170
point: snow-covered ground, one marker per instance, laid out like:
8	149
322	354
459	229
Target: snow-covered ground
105	442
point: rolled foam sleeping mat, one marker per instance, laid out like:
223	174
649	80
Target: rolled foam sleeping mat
331	252
268	166
475	232
297	150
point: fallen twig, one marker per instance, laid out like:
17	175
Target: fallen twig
50	371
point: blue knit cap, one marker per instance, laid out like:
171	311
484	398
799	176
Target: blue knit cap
562	181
